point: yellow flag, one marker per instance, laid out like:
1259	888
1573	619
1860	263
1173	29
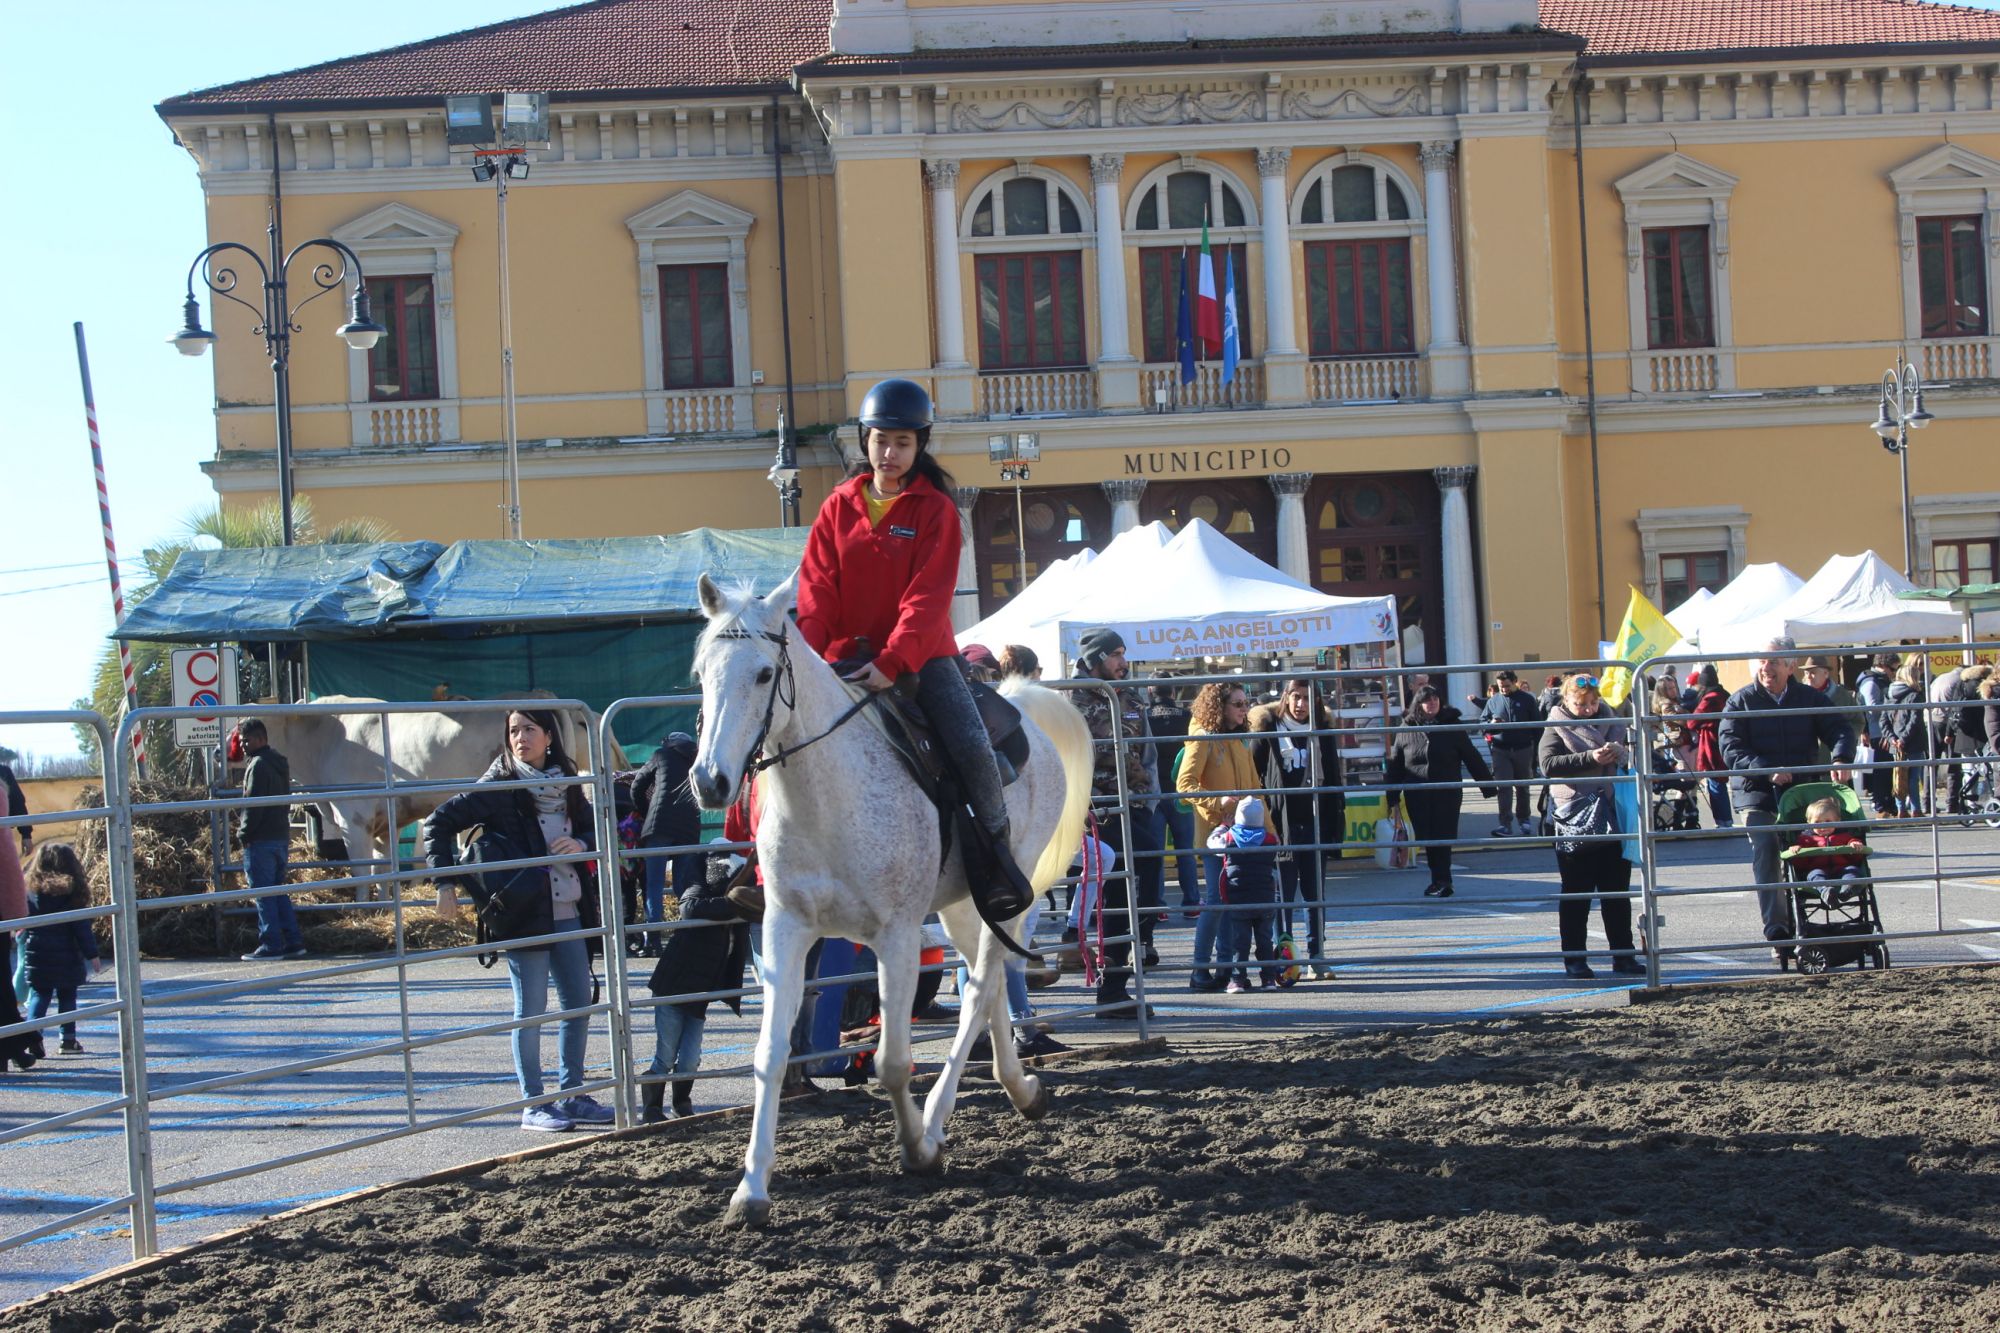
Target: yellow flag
1644	633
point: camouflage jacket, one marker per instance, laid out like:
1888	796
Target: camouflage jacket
1141	768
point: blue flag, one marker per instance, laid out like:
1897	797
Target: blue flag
1232	339
1184	327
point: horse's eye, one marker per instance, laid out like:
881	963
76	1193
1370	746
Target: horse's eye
764	676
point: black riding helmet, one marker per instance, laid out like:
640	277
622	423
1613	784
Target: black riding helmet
897	405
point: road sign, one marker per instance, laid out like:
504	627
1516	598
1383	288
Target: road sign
203	677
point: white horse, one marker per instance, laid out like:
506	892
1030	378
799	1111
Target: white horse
849	849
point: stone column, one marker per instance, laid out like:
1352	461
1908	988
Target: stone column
965	606
954	379
1284	364
1117	370
1450	367
1294	555
1124	494
1461	605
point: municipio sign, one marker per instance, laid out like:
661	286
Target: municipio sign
203	677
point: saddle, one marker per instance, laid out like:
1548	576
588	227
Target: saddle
916	741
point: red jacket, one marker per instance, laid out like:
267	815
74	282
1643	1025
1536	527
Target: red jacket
1832	865
891	585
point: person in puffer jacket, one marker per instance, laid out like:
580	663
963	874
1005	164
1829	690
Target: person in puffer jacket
61	957
1250	887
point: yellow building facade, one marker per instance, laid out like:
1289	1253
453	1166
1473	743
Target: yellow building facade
1476	369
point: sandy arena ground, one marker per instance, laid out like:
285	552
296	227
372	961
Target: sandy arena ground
1812	1155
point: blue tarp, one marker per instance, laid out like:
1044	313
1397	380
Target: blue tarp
401	590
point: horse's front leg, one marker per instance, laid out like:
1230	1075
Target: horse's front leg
984	992
898	953
786	940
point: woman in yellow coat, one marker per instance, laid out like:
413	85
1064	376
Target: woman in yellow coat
1216	758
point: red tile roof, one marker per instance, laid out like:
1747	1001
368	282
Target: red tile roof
635	46
605	46
1618	27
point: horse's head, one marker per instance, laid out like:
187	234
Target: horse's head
743	661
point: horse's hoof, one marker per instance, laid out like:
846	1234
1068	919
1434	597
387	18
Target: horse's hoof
1038	1105
925	1159
747	1214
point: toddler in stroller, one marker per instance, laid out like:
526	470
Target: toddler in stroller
1674	807
1833	897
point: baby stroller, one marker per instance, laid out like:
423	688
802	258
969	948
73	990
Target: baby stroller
1829	911
1981	792
1674	807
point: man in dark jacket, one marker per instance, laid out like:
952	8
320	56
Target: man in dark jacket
1101	656
1513	750
1762	727
266	834
1285	761
668	817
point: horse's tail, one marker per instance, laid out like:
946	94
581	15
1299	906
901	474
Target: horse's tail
1060	721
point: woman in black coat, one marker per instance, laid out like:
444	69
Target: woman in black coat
668	817
1431	747
1908	735
699	956
517	823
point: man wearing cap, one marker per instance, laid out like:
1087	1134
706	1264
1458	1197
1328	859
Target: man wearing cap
1101	656
980	663
1818	672
1763	728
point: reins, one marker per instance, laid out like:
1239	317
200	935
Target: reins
784	685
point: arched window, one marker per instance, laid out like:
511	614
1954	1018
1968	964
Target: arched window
1167	211
1027	230
1031	202
1357	216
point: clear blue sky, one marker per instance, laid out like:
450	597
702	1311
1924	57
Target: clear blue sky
105	215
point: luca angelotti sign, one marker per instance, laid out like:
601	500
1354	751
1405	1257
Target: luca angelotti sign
1195	462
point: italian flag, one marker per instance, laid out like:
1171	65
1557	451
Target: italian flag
1207	309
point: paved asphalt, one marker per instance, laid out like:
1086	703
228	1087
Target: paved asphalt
1401	958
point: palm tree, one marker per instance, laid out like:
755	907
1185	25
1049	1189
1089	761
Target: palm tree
207	528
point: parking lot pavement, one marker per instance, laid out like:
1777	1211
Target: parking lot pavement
1399	957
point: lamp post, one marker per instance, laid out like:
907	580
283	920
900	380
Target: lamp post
1014	451
278	321
1902	409
500	165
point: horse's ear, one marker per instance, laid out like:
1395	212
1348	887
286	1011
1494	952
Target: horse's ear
711	596
785	595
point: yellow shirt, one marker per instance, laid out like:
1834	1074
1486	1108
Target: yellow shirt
877	508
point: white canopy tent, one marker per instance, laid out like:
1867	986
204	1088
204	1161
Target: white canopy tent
1737	613
1854	599
1199	594
1015	622
1688	618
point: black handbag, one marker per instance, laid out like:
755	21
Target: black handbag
507	899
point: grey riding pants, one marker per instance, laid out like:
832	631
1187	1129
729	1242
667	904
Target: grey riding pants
947	701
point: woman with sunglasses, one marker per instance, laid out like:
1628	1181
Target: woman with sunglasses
1433	747
1583	746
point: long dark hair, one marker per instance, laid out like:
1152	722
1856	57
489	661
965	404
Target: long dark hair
1413	716
1708	680
573	797
56	873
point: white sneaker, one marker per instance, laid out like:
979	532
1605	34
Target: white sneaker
546	1119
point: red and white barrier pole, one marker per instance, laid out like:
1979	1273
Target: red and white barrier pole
110	549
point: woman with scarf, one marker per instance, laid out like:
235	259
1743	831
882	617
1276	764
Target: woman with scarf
1433	747
1583	747
520	822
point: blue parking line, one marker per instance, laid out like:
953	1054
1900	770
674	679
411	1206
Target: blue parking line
182	1212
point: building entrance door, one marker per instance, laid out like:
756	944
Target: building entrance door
1059	520
1379	534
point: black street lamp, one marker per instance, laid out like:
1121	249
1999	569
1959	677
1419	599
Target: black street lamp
1902	408
278	322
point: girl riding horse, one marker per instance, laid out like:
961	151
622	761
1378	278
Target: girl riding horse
875	592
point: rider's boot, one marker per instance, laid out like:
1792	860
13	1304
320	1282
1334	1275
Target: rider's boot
653	1101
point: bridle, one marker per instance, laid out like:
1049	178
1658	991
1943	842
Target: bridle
784	686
